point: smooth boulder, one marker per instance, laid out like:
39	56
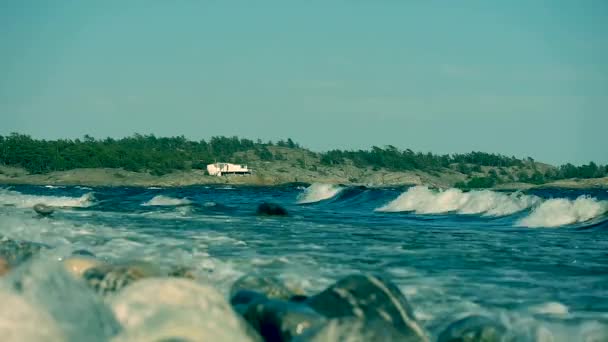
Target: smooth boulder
43	209
157	309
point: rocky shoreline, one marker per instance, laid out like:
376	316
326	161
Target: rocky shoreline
269	177
137	301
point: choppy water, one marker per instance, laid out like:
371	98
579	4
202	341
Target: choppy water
534	260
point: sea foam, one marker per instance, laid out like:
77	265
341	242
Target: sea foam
561	211
161	200
422	200
17	199
319	192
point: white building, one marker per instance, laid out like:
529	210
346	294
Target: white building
220	169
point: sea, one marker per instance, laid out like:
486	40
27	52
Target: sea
536	260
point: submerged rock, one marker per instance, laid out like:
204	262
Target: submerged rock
106	279
269	286
277	320
369	298
271	209
172	309
473	329
43	209
76	311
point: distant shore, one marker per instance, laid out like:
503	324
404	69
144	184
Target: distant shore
119	177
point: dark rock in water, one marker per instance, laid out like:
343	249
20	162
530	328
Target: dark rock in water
269	286
43	209
473	329
83	252
354	330
111	278
277	320
15	252
298	298
271	209
369	298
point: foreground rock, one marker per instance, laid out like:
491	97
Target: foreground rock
473	329
21	321
171	309
68	310
271	209
369	298
356	308
355	330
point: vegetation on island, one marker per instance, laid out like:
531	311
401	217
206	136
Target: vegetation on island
162	155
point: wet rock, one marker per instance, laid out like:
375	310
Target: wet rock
15	252
77	312
277	320
271	209
473	329
173	309
43	210
369	298
355	330
107	279
269	286
78	265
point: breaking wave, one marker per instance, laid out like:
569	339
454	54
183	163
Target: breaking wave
17	199
422	200
561	211
319	192
161	200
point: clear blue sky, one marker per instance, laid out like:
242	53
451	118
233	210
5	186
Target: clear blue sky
524	78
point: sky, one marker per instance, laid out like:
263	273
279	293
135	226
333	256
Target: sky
522	77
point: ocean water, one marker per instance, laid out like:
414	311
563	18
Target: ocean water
536	261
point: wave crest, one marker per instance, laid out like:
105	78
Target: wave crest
17	199
319	192
161	200
561	211
422	200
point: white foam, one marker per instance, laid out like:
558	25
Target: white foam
161	200
422	200
17	199
319	192
561	211
550	308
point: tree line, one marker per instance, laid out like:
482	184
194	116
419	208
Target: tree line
161	155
